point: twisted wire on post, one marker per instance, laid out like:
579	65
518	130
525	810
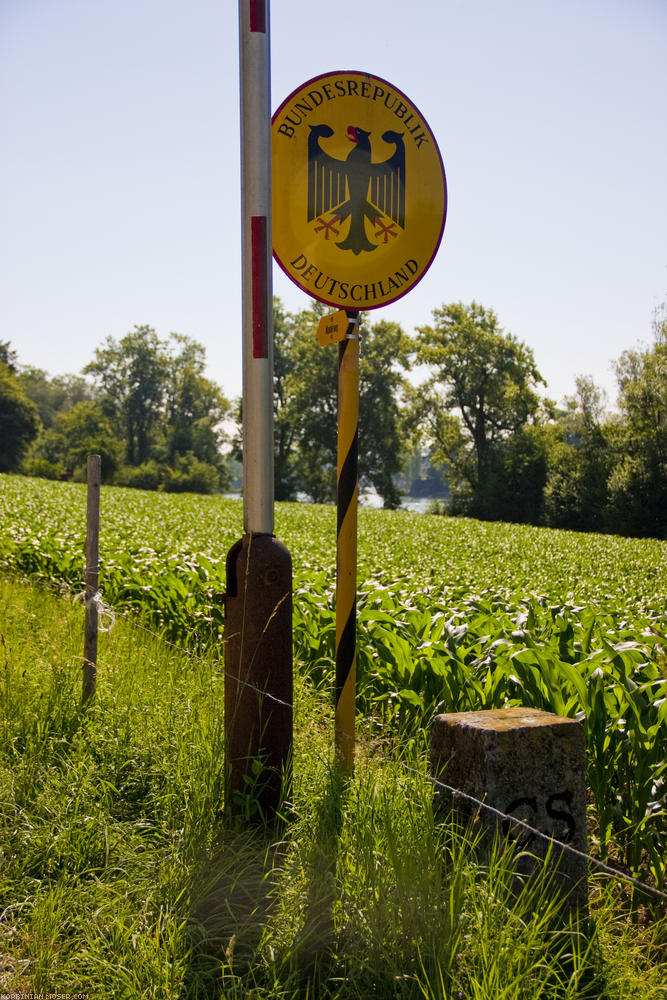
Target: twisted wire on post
103	610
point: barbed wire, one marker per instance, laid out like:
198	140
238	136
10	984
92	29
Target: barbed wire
499	814
215	661
456	793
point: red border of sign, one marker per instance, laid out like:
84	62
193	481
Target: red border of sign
360	72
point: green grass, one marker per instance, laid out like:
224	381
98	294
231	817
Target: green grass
453	615
118	875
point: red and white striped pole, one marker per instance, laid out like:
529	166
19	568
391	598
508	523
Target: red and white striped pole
258	608
257	285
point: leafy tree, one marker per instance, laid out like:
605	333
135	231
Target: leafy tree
87	430
195	409
638	483
306	407
53	395
659	324
8	356
190	475
19	420
580	462
481	391
149	476
285	420
610	472
131	374
419	477
383	423
310	417
46	455
517	476
162	406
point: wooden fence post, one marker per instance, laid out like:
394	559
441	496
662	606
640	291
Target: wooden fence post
91	576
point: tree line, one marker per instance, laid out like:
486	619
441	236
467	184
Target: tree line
142	403
477	413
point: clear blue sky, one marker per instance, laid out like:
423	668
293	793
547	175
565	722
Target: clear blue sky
120	166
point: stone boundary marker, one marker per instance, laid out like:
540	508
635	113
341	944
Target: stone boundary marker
526	763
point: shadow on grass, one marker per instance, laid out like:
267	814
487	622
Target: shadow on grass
233	899
316	946
238	893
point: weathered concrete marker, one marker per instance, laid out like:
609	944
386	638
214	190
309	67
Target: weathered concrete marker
526	763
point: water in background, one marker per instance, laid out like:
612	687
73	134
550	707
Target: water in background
369	498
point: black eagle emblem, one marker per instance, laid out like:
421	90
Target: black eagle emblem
356	188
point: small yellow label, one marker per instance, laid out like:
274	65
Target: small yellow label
332	328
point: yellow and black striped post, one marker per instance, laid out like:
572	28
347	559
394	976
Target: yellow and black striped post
346	542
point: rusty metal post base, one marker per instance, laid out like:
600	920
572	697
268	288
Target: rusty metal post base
258	677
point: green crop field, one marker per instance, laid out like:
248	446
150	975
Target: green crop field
116	871
454	615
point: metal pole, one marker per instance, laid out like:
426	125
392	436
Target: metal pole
258	607
257	285
346	542
91	575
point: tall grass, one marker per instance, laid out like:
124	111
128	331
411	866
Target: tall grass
118	876
454	615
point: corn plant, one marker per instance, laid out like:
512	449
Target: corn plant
454	615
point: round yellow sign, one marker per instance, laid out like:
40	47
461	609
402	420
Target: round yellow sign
359	191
